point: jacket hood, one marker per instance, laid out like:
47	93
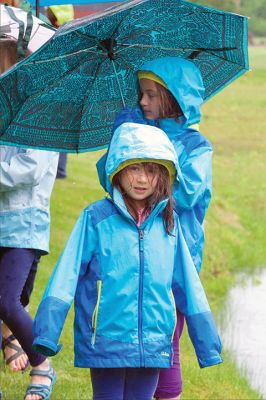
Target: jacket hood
183	79
133	141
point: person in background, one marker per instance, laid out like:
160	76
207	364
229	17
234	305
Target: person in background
60	14
26	181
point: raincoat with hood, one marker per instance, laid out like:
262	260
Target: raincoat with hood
193	194
126	279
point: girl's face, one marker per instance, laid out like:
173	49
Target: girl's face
139	182
150	100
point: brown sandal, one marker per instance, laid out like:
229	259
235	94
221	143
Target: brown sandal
18	350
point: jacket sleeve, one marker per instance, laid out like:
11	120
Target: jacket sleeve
61	288
191	301
195	176
25	169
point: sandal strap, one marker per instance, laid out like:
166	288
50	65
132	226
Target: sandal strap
19	352
44	391
7	341
49	373
41	390
18	349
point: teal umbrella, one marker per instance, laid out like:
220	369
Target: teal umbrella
66	95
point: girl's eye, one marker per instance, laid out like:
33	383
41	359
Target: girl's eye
151	171
133	168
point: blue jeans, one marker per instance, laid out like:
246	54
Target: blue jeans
124	383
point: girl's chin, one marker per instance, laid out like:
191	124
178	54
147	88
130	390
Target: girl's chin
148	115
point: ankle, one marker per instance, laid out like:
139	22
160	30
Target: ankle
44	365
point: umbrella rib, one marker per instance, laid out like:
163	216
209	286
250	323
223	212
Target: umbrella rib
65	55
117	27
129	66
85	35
207	50
148	46
222	58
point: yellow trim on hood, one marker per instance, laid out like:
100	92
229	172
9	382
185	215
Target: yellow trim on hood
166	163
152	77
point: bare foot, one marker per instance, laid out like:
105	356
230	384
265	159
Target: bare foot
20	359
39	380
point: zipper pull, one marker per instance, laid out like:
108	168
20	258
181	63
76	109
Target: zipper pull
141	237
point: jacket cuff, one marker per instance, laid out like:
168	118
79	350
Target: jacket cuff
209	362
46	347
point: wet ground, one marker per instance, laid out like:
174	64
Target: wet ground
243	330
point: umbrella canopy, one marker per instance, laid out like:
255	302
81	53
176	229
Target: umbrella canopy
66	95
22	26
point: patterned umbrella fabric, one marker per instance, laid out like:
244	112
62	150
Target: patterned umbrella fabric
66	95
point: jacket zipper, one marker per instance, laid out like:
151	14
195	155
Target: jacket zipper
95	313
141	273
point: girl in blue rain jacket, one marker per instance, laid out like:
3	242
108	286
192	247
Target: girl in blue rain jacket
171	93
127	280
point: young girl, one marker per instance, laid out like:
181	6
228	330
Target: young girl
128	267
170	95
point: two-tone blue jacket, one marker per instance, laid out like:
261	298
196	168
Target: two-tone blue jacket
126	280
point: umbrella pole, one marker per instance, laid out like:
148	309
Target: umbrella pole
37	9
120	90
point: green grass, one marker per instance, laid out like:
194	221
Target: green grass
235	241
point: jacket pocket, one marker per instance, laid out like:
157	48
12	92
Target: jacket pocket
95	313
175	317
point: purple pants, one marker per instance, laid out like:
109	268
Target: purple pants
15	269
170	380
124	383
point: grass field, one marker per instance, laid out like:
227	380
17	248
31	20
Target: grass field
235	123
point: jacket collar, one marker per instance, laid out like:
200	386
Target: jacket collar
118	201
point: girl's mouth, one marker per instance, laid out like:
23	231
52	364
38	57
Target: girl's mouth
139	189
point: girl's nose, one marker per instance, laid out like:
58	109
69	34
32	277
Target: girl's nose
142	176
143	100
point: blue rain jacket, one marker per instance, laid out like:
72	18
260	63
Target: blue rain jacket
194	151
26	181
126	280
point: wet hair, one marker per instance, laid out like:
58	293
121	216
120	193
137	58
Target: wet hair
162	190
169	107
